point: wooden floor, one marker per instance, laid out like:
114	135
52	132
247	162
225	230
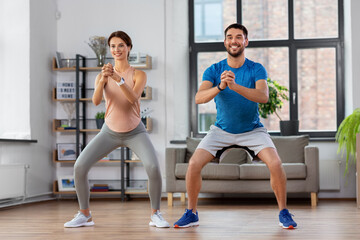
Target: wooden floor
240	219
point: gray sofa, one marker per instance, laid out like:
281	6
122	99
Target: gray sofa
235	172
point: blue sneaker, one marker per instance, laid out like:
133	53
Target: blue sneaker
189	219
286	220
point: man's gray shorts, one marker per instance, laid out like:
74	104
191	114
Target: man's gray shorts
218	141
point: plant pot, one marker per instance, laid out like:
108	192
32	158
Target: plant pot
99	123
289	127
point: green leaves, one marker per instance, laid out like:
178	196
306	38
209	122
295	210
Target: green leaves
346	136
100	115
277	94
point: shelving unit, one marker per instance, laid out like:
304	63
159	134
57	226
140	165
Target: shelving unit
124	181
147	96
146	65
81	130
57	127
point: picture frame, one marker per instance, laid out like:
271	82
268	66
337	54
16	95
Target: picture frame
66	183
66	151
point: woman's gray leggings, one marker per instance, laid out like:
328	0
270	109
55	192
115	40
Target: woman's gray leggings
106	141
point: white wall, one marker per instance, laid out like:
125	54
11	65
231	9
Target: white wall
177	70
353	20
42	42
328	150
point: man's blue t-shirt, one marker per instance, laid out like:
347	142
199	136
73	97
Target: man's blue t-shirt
235	113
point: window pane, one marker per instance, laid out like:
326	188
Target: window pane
265	19
316	18
211	19
207	111
276	63
317	89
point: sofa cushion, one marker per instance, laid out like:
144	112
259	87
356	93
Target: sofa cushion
291	148
235	156
259	171
211	171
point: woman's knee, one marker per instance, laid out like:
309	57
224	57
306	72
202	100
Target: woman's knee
153	172
79	170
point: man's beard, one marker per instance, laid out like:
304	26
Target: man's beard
241	50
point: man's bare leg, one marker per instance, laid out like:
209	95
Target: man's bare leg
193	176
277	174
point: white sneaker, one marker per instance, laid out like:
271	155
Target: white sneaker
80	220
157	220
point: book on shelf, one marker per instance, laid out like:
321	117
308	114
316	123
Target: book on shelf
99	190
100	185
58	58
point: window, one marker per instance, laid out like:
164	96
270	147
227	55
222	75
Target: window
299	42
211	16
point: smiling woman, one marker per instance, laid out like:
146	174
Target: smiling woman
14	70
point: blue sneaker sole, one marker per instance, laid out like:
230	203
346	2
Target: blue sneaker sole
193	224
289	227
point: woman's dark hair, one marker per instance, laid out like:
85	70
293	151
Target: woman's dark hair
238	26
123	36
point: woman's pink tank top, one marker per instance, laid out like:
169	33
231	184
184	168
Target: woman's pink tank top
121	115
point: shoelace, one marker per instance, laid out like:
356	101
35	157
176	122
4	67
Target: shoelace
188	213
288	216
160	216
75	216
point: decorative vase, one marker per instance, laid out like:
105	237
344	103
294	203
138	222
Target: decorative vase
100	59
99	45
289	127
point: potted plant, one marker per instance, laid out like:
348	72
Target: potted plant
99	119
277	96
346	136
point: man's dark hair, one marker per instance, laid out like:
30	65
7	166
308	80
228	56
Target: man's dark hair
238	26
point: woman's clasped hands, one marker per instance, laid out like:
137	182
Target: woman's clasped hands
108	71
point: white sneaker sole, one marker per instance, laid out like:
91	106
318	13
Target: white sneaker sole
152	224
193	224
87	224
289	227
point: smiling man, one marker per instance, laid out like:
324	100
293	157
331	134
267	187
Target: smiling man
237	85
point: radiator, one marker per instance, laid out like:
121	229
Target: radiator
329	174
12	181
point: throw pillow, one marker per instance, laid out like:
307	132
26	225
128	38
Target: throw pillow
191	145
235	156
291	148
